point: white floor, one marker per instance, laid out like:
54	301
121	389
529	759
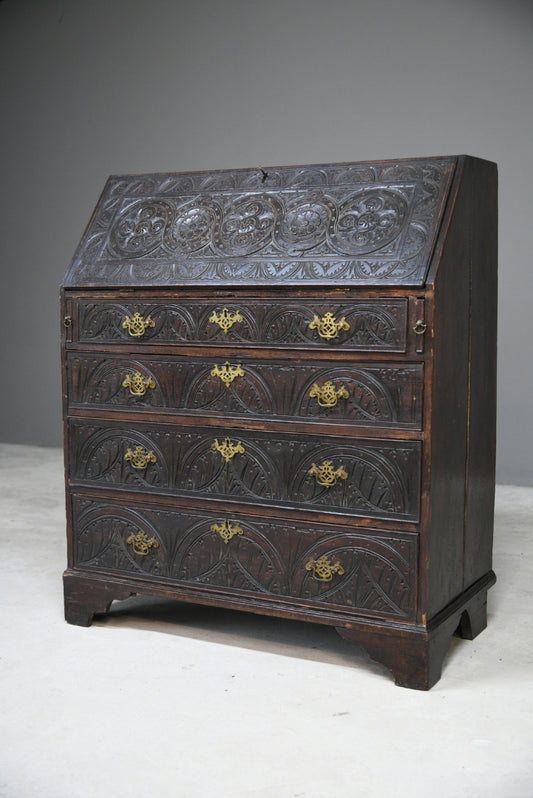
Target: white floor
164	700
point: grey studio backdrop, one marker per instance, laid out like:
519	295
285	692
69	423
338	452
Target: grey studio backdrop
97	87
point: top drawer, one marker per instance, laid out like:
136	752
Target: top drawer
363	324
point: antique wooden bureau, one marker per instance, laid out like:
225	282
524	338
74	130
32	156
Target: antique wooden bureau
279	396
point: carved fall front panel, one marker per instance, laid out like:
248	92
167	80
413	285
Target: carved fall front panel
368	223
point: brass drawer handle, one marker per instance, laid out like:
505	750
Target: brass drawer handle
138	384
323	569
326	475
139	457
227	373
328	327
67	321
227	449
225	319
137	325
141	543
420	327
327	395
227	531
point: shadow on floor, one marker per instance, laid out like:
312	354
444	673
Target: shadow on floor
278	636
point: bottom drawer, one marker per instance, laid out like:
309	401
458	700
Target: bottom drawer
372	572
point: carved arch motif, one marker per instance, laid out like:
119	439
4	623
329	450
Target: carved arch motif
248	394
368	398
373	484
101	541
105	384
372	575
248	562
102	458
248	473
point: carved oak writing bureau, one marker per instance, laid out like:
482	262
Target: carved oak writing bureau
279	396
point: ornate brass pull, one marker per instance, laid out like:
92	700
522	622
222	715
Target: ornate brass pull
328	327
420	327
227	373
323	569
227	449
67	321
139	457
327	395
326	475
142	543
137	326
225	319
138	384
227	531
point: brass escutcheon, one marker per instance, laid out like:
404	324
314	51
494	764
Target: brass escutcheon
139	457
227	449
323	569
326	475
225	319
327	395
141	543
227	373
138	384
137	326
328	327
227	531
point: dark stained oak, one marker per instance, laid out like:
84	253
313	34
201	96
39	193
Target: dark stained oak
367	394
279	397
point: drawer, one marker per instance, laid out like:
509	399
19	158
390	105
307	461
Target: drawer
371	478
372	572
361	325
366	394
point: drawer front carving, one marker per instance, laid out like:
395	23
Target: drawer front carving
373	573
362	324
124	382
375	478
372	394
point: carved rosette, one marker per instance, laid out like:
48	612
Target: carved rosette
191	228
140	228
365	222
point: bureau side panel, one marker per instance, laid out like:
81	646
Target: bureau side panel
449	407
479	518
66	329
